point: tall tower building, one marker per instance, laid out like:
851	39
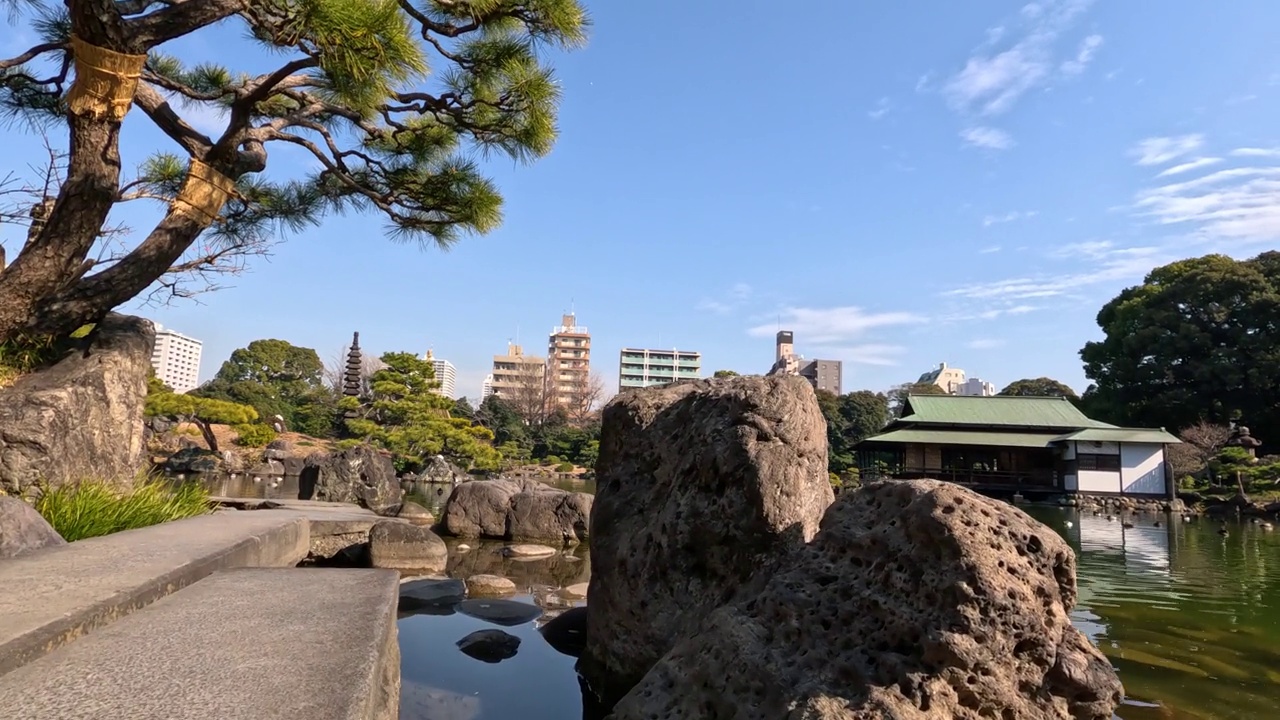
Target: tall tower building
568	363
822	374
446	375
176	359
486	388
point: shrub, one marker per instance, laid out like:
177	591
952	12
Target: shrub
254	435
93	507
564	467
549	460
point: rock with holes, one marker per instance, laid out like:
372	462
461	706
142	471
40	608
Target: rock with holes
700	485
362	474
916	599
517	510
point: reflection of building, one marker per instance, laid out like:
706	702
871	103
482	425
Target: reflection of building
642	368
176	359
446	374
952	381
822	374
1017	443
569	363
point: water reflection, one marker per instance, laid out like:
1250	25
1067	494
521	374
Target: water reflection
1187	616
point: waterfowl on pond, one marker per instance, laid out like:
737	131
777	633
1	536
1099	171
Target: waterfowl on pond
1223	530
1070	524
1110	519
1126	524
1265	526
1155	524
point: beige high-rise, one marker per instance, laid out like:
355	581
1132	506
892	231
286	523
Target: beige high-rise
520	380
569	364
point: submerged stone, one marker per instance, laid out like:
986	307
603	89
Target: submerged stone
490	646
507	613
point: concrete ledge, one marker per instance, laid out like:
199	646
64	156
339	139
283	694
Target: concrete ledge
249	644
51	597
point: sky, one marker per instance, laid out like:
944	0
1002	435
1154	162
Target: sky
900	184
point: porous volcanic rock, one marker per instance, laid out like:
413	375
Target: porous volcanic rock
916	600
519	510
361	474
700	486
81	417
23	530
403	546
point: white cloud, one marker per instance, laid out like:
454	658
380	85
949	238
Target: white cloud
1008	217
987	137
994	34
1256	152
924	83
1189	166
985	344
1088	48
989	250
881	109
832	326
735	298
872	354
1160	150
1232	207
991	82
1105	263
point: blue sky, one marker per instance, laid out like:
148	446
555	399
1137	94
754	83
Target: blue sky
900	184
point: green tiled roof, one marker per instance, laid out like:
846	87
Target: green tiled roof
1130	435
1014	412
965	437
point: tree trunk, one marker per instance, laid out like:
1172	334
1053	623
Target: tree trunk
207	431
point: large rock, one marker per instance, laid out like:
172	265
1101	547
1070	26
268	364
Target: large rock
23	530
401	546
82	417
700	486
517	510
917	599
441	471
360	474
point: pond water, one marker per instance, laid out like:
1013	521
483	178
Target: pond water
1189	617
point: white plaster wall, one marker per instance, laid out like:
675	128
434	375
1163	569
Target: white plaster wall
1099	481
1142	469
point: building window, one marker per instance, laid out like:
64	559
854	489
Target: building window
1104	463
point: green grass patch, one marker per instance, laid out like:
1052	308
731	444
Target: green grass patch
92	507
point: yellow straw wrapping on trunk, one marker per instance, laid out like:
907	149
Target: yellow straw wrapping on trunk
106	81
203	193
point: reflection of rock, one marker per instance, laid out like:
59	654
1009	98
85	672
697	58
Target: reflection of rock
576	591
23	530
491	646
528	552
701	485
917	599
517	510
193	460
431	594
402	546
489	586
567	632
431	703
486	559
267	469
361	474
507	613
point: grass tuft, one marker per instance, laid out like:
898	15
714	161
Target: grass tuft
93	507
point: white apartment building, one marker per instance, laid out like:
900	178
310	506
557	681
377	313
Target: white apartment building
446	375
176	359
486	388
975	387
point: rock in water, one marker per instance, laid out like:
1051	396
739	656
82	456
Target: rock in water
567	632
415	513
491	646
402	546
361	474
699	486
917	599
22	530
517	510
82	417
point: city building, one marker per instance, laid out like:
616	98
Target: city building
176	359
953	381
822	374
639	368
1036	446
446	375
486	388
569	363
520	379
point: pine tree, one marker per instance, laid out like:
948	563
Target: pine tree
388	96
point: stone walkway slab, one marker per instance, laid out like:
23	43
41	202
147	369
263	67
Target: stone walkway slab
247	644
53	596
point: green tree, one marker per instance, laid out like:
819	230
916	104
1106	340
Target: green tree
1199	339
278	378
897	397
201	412
462	409
407	416
390	99
504	421
850	419
725	374
1039	387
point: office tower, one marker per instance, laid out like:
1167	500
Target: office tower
446	374
638	368
176	359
